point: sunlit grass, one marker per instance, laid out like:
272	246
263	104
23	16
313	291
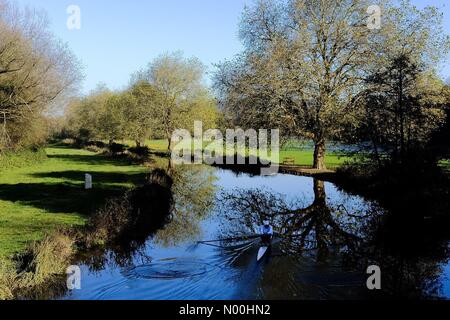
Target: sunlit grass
302	155
39	198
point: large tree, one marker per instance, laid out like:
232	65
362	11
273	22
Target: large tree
307	64
302	66
35	69
140	115
84	115
183	95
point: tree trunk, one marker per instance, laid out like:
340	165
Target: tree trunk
320	197
377	153
138	144
319	155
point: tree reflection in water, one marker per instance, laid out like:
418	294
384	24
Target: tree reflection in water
325	229
194	193
192	196
326	245
319	226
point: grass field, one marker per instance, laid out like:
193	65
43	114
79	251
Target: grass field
38	198
302	156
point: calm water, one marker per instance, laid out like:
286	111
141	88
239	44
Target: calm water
330	239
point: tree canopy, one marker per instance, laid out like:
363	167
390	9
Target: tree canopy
306	63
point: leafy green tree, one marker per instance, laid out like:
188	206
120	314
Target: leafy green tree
141	115
83	115
183	95
306	64
113	117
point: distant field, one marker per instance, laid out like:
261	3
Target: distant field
44	196
302	153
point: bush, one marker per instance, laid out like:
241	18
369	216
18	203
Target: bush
108	222
135	215
142	152
41	262
116	148
98	144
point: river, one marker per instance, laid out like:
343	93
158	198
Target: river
329	239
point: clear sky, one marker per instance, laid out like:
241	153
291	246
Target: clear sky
118	37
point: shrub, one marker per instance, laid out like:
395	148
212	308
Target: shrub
8	279
108	222
41	262
135	215
142	152
116	148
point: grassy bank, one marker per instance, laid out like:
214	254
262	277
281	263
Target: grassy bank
22	158
42	197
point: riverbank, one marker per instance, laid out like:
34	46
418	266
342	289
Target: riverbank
37	199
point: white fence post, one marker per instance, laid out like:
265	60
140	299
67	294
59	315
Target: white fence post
88	181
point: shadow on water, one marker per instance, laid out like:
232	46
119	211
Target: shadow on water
326	241
167	209
330	248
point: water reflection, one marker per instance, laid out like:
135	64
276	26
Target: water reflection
327	240
194	192
319	226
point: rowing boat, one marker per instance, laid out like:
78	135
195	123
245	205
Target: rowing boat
261	253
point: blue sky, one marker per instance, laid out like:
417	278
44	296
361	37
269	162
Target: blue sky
118	37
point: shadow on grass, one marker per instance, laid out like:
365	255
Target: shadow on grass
91	159
99	178
69	196
59	198
160	154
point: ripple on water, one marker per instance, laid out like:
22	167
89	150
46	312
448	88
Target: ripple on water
169	270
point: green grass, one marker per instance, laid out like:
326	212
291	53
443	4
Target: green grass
303	156
41	197
445	164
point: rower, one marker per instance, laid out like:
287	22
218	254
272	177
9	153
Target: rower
266	233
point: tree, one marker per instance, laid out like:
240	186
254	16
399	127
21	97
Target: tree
141	117
404	97
301	68
35	70
113	119
179	82
83	115
403	108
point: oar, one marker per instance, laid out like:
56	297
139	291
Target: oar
230	239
